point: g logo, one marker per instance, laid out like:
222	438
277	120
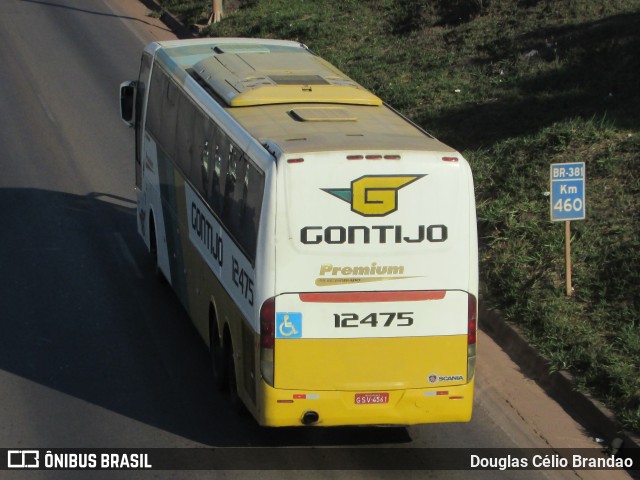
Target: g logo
374	195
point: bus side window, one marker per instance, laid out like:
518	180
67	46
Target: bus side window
184	135
162	111
154	106
169	114
252	204
220	148
201	158
230	207
245	203
143	79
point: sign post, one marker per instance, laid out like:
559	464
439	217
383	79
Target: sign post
568	202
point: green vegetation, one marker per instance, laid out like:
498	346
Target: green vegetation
514	85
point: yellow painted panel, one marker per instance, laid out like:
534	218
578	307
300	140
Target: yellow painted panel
279	408
370	364
271	94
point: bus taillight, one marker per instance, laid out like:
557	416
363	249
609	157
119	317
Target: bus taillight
472	322
267	323
267	338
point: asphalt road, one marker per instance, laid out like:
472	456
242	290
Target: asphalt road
94	352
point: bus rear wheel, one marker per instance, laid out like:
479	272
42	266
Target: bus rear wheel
236	401
153	249
218	356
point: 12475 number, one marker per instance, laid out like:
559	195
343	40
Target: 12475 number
385	319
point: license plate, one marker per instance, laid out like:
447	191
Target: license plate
371	398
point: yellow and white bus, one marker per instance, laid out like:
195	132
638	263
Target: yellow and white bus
324	246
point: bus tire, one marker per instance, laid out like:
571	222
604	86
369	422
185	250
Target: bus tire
217	354
153	249
234	398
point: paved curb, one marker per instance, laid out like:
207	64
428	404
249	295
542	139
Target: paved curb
560	385
169	20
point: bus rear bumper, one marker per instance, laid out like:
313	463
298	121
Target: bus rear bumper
338	408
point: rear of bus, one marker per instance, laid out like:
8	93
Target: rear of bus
374	317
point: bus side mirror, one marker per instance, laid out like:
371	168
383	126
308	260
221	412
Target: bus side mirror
127	102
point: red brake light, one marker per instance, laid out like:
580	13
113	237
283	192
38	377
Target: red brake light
268	323
472	320
373	157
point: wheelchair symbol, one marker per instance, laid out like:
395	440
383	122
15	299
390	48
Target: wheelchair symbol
289	325
287	328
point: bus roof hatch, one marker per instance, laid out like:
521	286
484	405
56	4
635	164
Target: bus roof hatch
249	78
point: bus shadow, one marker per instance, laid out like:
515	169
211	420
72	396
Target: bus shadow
83	314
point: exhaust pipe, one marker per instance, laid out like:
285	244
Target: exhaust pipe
310	417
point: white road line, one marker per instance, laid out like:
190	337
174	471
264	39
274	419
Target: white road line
46	109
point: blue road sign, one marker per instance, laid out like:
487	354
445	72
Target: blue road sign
567	191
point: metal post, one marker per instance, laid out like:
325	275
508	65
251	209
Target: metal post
567	255
217	11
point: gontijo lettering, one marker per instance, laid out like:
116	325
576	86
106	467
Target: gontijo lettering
211	240
360	234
